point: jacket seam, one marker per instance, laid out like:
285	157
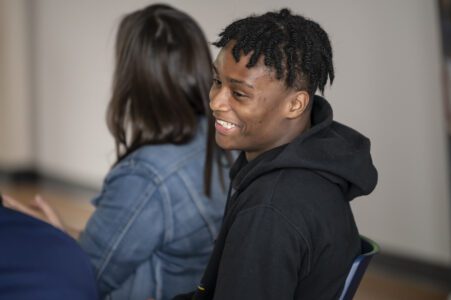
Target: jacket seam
171	169
199	205
147	195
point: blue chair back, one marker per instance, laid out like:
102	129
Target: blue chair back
369	249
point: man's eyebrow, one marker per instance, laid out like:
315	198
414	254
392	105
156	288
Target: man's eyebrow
232	80
240	82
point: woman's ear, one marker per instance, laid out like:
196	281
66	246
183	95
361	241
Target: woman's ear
299	104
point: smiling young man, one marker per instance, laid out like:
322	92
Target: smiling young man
288	230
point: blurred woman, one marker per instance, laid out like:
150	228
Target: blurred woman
157	216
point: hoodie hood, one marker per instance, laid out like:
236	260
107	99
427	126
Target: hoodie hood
336	152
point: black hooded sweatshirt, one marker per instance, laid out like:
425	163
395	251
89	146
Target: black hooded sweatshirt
288	230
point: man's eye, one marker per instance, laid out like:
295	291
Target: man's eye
238	94
216	81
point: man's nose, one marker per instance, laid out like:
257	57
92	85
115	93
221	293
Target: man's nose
219	100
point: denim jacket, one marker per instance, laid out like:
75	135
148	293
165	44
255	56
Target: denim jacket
153	228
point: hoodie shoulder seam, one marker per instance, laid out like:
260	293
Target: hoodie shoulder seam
287	221
279	212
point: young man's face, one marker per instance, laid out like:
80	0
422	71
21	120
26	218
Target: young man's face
249	105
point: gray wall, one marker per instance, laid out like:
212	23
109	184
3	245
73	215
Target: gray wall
15	87
388	86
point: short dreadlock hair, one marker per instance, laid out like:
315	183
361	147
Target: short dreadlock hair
297	48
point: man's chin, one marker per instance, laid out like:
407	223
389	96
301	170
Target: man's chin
225	144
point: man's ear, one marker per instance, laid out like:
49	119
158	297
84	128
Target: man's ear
298	104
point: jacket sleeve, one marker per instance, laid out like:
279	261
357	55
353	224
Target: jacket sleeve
126	227
263	257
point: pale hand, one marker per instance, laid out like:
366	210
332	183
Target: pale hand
40	209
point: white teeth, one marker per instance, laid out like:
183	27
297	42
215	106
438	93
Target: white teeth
226	124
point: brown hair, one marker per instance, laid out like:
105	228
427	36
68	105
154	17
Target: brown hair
161	83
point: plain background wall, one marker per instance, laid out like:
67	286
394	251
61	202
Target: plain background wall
15	87
388	86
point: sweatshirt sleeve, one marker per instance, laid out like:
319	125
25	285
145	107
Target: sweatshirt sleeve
263	257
